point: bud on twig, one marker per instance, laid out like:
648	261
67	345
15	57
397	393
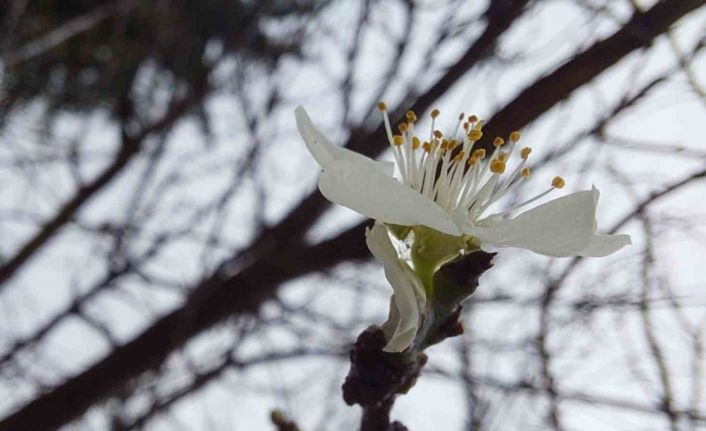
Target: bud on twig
376	378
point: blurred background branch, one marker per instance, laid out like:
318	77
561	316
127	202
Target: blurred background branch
166	261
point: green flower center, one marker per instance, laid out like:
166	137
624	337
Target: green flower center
432	249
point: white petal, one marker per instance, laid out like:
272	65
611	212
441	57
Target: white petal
325	152
380	245
401	341
399	338
408	293
561	227
366	190
603	245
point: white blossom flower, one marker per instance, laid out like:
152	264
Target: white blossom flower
451	191
444	191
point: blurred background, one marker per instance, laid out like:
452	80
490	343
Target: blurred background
167	262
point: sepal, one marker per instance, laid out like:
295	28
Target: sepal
458	279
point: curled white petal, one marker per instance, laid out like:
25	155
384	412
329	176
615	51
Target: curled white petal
393	319
398	338
408	297
400	341
366	190
603	245
561	227
325	152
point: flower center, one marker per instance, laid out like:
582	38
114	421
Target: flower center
452	173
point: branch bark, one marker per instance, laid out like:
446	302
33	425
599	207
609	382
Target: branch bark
376	378
543	95
129	148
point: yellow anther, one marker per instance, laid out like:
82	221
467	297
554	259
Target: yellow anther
435	113
525	172
498	142
503	156
452	144
472	160
382	107
459	156
475	135
398	140
427	147
515	136
438	134
525	152
497	166
479	125
411	117
558	182
416	143
402	127
479	153
472	119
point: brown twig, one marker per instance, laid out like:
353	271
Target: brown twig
376	378
130	148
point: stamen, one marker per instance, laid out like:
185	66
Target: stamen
459	124
523	204
396	142
431	160
411	117
558	182
409	156
434	113
513	180
497	166
475	135
386	119
525	152
452	173
482	195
